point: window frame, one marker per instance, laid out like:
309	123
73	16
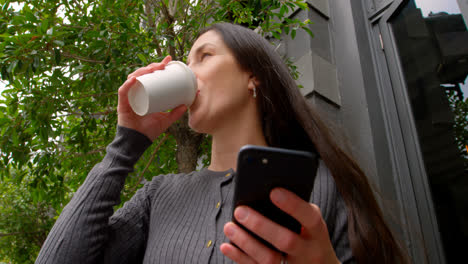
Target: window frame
401	171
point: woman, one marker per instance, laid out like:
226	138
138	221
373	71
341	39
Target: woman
246	96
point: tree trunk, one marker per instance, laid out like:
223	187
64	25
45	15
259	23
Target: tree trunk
188	144
188	141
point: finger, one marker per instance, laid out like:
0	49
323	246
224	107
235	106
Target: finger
250	245
151	68
159	65
145	70
123	90
166	60
282	238
307	214
235	254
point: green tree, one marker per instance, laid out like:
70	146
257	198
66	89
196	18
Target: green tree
459	107
63	62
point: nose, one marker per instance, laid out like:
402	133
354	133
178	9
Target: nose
196	76
193	70
189	62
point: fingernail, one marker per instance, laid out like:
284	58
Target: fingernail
278	196
241	214
229	230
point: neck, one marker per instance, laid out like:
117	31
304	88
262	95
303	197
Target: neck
231	137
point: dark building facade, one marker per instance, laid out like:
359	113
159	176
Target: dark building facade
379	72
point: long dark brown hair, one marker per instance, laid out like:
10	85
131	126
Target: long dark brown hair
289	122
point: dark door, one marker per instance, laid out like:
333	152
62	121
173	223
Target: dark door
432	46
425	51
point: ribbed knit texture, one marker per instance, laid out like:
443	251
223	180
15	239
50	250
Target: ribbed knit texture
172	219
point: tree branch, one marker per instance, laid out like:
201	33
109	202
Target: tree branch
149	4
17	233
91	114
69	55
170	22
78	154
95	95
184	31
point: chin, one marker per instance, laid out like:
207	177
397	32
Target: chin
198	123
194	123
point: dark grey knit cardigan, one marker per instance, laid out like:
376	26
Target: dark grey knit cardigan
172	219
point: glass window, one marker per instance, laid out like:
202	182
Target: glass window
432	42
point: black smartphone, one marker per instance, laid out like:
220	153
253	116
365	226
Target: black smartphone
261	169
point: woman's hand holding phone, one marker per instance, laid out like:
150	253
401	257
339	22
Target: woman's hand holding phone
312	245
151	125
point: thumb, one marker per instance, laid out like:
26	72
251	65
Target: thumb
177	112
123	92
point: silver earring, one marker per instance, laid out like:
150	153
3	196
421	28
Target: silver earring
255	92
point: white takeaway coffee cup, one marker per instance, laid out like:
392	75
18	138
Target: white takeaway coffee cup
163	89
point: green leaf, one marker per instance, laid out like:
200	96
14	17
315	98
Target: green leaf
302	5
307	29
142	58
283	10
30	16
276	35
4	72
12	66
18	20
44	26
57	56
293	33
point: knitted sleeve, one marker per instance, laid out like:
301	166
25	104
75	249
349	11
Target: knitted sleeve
129	227
83	230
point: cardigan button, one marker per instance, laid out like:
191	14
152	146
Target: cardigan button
209	243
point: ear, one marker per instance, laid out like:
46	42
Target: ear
253	82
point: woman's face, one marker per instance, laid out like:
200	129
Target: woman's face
222	84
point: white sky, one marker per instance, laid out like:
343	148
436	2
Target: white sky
449	6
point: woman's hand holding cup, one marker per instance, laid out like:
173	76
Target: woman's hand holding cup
151	125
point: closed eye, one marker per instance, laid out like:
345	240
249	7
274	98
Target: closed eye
203	55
